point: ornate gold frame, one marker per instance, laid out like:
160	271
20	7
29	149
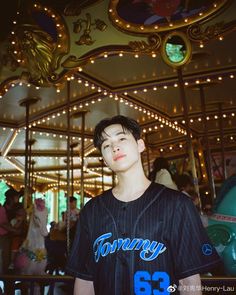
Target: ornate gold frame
188	49
126	26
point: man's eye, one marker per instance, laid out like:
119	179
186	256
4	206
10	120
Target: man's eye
122	138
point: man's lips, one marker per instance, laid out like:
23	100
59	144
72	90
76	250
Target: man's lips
118	157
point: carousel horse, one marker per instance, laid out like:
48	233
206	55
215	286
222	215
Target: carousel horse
31	258
222	225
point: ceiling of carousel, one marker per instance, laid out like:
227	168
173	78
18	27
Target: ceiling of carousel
67	64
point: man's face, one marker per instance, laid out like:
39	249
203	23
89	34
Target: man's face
120	150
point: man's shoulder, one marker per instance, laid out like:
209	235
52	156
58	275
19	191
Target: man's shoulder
98	200
166	193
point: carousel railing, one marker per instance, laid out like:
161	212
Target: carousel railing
210	285
46	282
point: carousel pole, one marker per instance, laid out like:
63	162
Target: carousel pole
148	154
188	137
82	160
68	168
81	114
27	102
30	168
32	173
72	146
222	141
58	193
207	145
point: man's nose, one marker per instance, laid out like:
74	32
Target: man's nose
115	148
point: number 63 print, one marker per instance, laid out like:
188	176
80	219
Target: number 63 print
143	283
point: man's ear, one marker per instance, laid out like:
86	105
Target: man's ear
141	145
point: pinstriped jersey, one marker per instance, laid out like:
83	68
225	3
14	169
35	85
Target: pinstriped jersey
140	247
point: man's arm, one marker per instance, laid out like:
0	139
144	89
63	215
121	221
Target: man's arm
83	287
190	285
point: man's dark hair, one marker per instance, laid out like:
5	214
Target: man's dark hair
127	124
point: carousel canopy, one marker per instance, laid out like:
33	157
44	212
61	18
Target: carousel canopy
67	64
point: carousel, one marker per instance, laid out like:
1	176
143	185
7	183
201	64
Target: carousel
171	65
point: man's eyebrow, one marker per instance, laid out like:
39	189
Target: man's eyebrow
106	138
120	132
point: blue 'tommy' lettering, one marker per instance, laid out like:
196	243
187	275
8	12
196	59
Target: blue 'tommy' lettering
148	250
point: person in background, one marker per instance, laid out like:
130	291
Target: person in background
74	211
185	185
73	217
161	173
139	237
19	223
7	212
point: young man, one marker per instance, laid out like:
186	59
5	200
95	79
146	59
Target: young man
139	237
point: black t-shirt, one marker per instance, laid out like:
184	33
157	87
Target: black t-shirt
140	246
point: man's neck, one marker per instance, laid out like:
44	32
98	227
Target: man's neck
130	186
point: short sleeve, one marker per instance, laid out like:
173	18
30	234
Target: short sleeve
80	262
193	250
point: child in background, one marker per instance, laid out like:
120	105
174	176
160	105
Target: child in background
19	223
